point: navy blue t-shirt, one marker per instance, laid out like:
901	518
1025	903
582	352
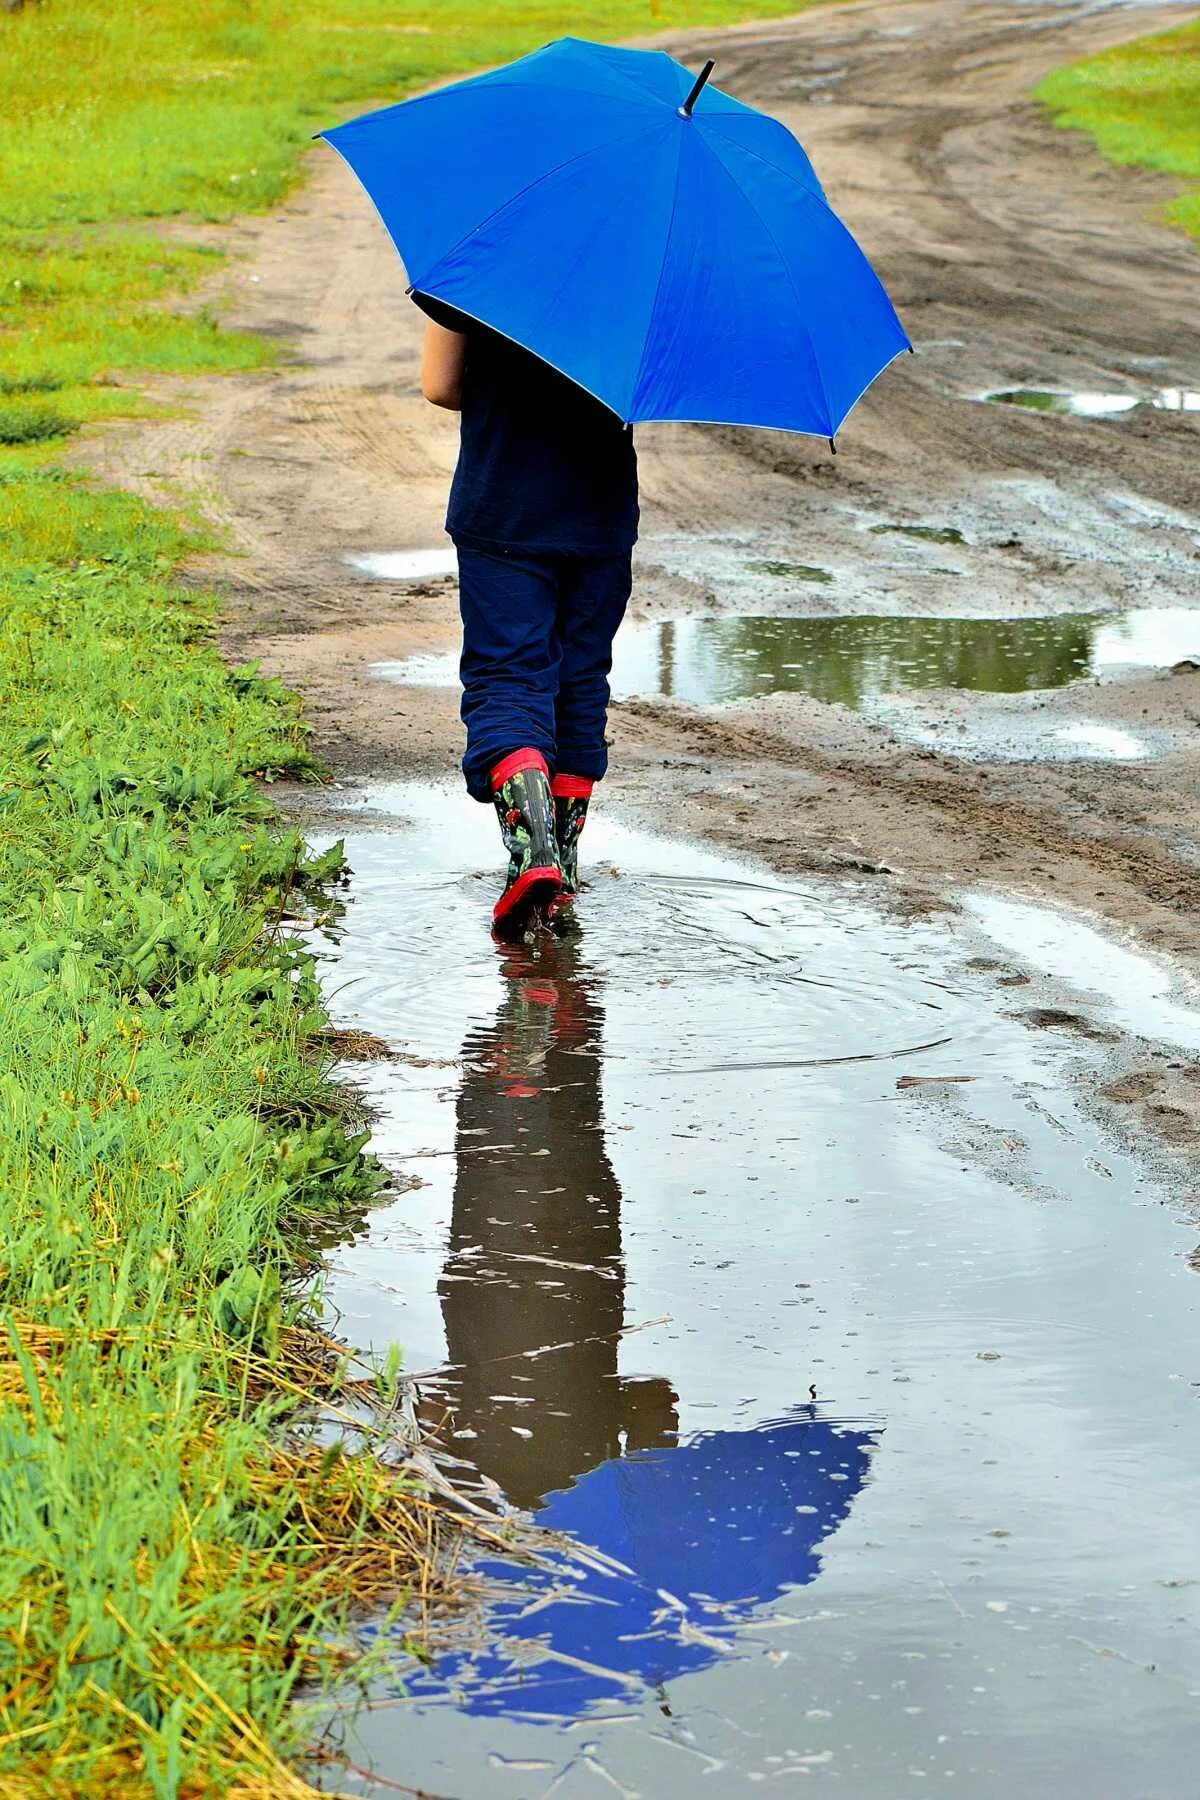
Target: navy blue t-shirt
542	465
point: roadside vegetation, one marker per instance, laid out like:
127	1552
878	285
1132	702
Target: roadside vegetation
178	1545
1141	104
168	1553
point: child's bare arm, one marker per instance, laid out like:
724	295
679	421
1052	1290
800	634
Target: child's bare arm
443	355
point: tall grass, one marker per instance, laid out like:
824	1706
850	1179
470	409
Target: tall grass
1141	104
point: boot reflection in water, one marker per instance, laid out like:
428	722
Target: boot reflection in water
535	1244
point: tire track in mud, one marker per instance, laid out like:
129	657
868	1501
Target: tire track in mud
924	781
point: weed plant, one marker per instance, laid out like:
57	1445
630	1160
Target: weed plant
1141	104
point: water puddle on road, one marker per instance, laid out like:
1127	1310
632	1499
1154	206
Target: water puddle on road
1087	740
928	534
792	571
997	734
1085	405
708	660
405	565
1137	992
760	1245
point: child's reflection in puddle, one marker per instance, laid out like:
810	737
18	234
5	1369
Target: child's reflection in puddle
535	1262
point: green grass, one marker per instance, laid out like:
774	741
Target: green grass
1141	104
173	1555
83	309
167	1127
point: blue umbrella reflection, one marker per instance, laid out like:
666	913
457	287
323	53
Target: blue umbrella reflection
705	1532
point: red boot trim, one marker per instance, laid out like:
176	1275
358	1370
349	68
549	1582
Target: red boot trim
572	787
514	763
528	890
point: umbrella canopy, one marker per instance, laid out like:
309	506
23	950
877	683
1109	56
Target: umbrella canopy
678	263
706	1531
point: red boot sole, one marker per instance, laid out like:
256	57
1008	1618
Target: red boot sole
536	887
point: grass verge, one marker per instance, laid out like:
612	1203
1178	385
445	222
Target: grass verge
174	1554
1141	104
178	1547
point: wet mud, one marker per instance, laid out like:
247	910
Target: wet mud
762	1244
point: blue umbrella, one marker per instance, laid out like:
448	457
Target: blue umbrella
665	246
706	1531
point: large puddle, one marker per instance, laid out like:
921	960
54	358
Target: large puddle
761	1244
708	660
406	565
1084	404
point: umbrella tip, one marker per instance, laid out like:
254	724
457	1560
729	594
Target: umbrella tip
833	447
685	111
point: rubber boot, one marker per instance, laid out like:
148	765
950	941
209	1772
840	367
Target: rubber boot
525	808
571	796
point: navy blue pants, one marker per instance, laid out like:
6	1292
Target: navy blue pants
537	649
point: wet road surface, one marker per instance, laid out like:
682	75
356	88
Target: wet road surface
761	1243
688	1130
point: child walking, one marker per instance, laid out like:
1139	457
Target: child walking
543	513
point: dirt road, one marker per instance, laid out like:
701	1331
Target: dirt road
1018	259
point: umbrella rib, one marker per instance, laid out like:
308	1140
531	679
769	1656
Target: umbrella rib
787	174
637	380
641	87
559	370
567	279
807	196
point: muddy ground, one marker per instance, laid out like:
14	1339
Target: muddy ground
1017	258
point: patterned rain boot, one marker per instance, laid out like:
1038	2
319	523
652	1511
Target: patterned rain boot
571	796
525	808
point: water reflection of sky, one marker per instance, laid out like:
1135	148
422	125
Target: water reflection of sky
710	660
1086	404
